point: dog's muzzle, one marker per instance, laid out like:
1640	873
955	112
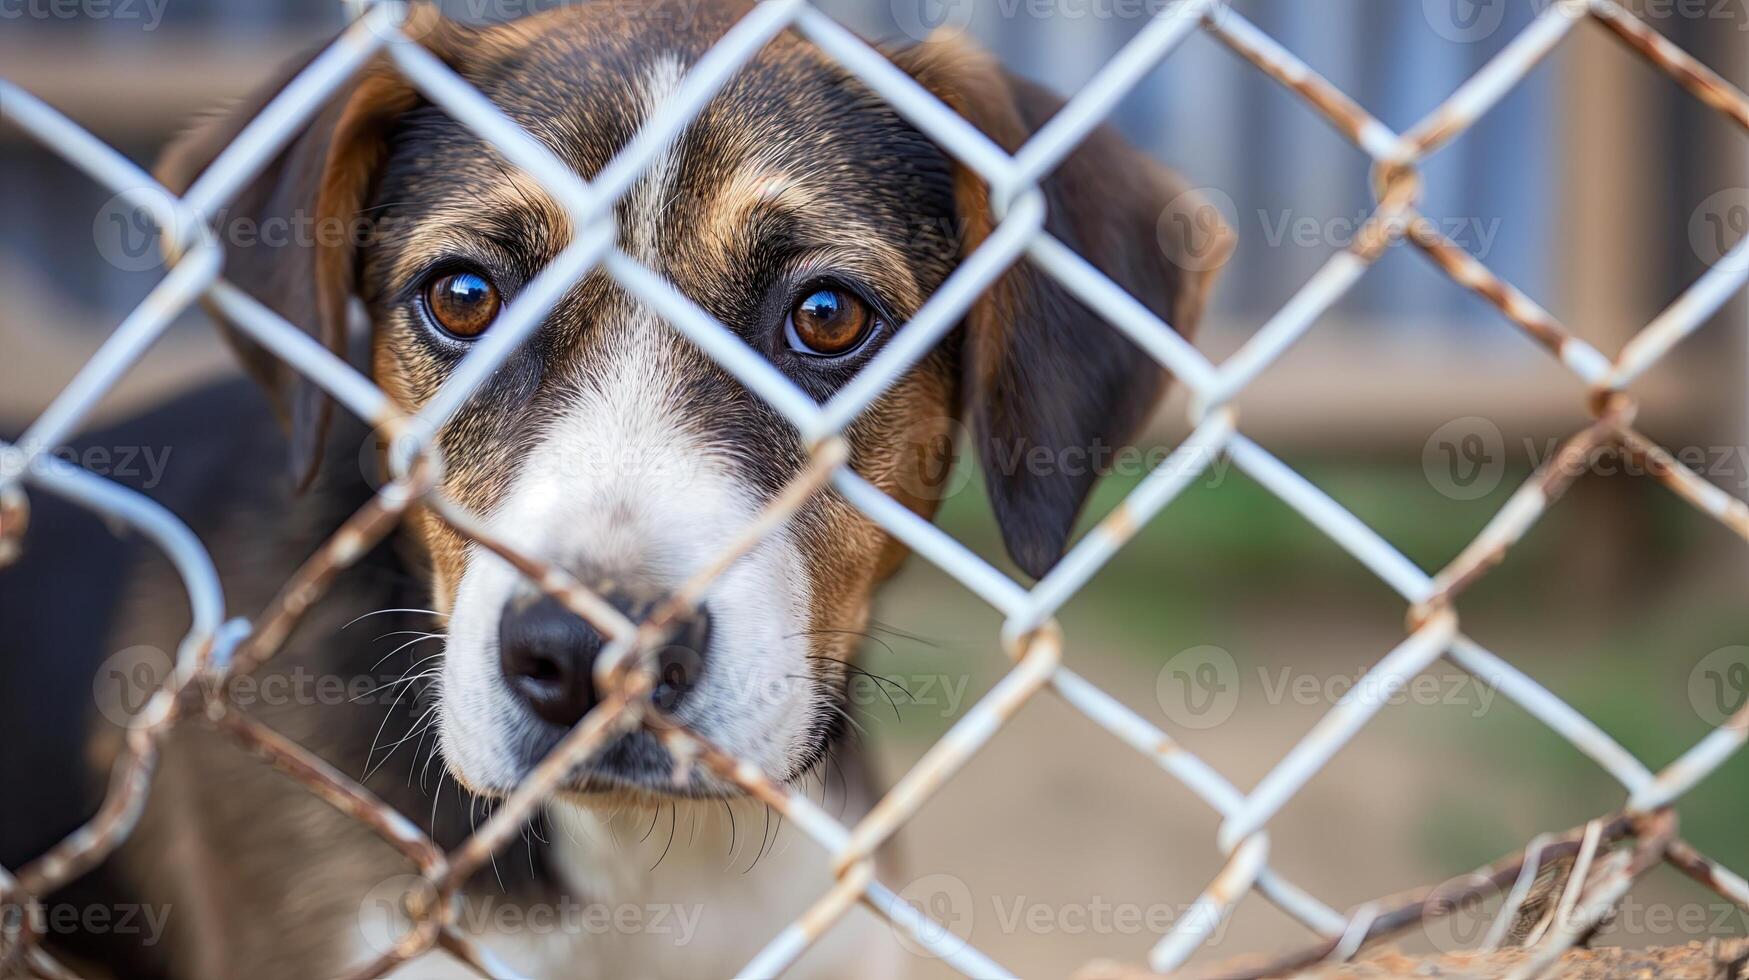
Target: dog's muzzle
547	655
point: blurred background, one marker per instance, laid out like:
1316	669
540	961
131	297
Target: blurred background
1598	187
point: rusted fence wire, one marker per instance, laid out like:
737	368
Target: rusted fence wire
218	650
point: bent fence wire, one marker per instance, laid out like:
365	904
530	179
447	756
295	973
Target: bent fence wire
218	649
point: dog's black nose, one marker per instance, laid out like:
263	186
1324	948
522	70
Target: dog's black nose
547	654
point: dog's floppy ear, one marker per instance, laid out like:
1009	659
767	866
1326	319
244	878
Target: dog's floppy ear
292	236
1048	385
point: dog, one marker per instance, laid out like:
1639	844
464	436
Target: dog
801	211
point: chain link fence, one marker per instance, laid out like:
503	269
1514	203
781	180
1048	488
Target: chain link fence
1609	853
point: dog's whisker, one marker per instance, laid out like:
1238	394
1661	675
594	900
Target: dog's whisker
419	724
390	713
419	639
731	812
424	731
762	835
437	795
652	828
871	675
375	739
673	817
408	633
422	675
385	612
888	647
430	757
847	717
843	783
903	635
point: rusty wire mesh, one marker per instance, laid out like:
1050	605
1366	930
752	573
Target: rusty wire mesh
218	650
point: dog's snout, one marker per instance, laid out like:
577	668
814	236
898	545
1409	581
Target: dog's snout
547	654
548	657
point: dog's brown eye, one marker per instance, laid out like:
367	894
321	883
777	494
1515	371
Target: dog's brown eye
464	304
829	321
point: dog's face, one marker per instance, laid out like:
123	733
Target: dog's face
805	215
